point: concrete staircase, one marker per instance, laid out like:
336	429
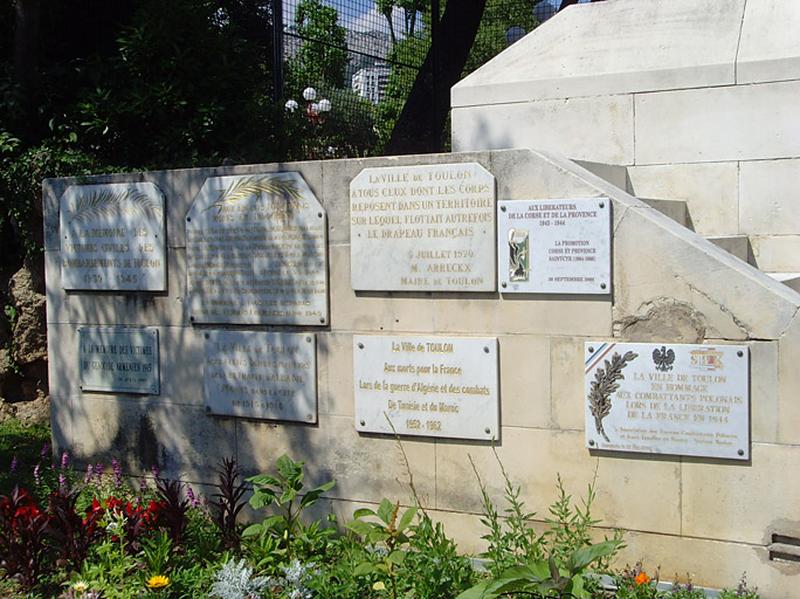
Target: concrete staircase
737	245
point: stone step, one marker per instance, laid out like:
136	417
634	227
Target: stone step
674	209
738	245
790	279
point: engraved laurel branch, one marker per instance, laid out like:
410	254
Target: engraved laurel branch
247	187
604	384
107	203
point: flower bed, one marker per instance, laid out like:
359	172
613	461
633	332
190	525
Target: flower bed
90	535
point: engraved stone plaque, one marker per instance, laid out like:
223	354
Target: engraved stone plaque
256	252
554	246
423	228
256	374
427	386
677	399
118	359
112	237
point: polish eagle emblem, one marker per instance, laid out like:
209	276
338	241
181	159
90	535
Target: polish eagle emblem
663	358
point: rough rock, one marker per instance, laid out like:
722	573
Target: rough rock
36	411
30	324
662	319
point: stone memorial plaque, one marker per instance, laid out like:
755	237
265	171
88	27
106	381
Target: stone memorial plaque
255	374
112	237
423	228
554	246
677	399
119	359
428	386
256	252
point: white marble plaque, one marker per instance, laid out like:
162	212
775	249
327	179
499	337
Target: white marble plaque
112	237
428	386
554	246
256	252
677	399
118	359
255	374
423	228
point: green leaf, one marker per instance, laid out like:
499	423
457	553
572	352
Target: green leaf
361	512
479	591
397	557
360	528
586	555
252	530
363	569
406	518
385	510
264	480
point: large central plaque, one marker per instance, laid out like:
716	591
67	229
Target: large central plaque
428	386
261	375
676	399
423	228
256	252
554	246
112	237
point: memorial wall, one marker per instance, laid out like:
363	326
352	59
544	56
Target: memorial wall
466	303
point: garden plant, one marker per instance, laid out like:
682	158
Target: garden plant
93	533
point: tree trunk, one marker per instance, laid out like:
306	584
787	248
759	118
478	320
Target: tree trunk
421	124
26	41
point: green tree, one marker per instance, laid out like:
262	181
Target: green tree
322	57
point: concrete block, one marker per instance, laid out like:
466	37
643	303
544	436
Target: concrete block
770	196
595	50
769	49
788	382
524	381
335	369
710	191
721	290
365	467
748	122
776	253
764	392
790	279
599	128
735	245
373	311
710	563
533	458
566	383
742	503
142	433
118	307
616	175
524	175
673	209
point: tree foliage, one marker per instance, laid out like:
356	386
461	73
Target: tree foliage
322	57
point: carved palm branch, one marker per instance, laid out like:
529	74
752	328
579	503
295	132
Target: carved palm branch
247	187
604	384
109	203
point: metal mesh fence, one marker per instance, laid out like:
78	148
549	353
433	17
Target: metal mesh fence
364	55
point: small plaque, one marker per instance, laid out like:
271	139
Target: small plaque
423	228
112	237
677	399
427	386
117	359
554	246
256	252
254	374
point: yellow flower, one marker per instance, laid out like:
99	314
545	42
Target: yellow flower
157	582
379	586
80	587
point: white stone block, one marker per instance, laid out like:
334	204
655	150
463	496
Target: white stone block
710	191
599	128
745	122
776	253
770	197
769	49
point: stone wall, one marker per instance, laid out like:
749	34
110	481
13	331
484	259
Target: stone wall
711	518
698	100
